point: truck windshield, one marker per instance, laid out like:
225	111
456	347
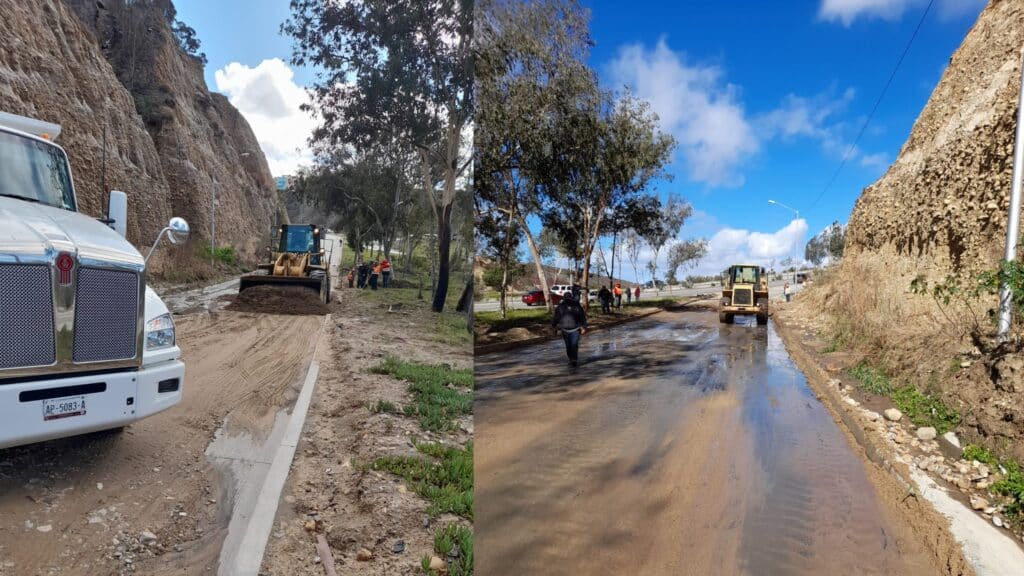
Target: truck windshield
744	275
34	171
297	240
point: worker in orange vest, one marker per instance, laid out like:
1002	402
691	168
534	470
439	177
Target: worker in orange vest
618	294
374	274
385	272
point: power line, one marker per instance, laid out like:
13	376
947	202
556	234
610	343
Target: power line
873	108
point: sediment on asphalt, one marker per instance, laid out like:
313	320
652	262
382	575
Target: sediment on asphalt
890	478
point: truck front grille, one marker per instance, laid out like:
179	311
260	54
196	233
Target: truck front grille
26	316
742	297
106	315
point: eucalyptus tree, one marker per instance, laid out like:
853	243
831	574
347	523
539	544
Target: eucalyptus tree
529	62
674	213
614	150
392	70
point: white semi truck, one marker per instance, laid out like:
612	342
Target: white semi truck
85	345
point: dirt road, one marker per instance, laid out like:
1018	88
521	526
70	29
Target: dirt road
79	505
679	446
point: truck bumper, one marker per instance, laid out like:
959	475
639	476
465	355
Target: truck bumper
740	310
110	401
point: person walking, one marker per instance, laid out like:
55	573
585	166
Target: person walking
571	319
362	272
629	295
637	293
605	297
374	274
351	277
785	290
617	291
385	272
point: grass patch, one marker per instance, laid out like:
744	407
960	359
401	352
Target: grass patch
1012	483
924	409
921	409
444	477
224	254
513	319
871	379
384	406
448	539
438	397
451	329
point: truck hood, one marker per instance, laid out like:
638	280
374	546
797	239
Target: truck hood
35	230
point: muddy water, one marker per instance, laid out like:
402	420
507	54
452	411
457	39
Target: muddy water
679	446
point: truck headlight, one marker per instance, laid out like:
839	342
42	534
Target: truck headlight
160	332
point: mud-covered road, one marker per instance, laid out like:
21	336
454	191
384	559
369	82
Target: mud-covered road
679	446
78	505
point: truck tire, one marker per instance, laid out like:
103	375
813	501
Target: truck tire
725	318
762	316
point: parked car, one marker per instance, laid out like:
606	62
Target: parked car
536	298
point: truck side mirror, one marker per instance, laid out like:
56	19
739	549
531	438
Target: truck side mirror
178	230
117	212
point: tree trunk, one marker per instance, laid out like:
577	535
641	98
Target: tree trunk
444	242
535	253
611	279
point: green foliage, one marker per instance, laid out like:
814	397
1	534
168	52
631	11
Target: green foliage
185	35
871	379
1011	484
436	389
444	478
383	406
492	276
920	409
453	540
987	283
925	409
223	254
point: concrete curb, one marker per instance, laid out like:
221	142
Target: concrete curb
249	556
514	344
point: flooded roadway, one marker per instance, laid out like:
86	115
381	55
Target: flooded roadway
679	446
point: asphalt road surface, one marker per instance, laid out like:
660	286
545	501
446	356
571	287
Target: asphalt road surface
515	302
679	446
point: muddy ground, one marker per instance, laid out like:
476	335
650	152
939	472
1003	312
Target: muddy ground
80	505
329	491
679	446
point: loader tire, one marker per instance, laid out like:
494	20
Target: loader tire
725	318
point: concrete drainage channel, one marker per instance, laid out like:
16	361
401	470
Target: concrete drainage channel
259	473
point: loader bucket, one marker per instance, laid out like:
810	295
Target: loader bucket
246	282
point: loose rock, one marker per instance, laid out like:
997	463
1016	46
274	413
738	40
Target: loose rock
893	415
364	555
926	433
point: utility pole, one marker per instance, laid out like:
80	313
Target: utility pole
1013	222
213	221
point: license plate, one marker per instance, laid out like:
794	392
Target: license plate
55	408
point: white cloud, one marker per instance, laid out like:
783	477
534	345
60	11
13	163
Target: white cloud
716	136
848	11
736	246
726	246
695	105
269	99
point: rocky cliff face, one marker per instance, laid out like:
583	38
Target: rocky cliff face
939	210
945	199
153	130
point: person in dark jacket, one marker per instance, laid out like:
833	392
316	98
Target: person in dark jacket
604	295
571	319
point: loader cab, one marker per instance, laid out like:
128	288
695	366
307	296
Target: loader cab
301	239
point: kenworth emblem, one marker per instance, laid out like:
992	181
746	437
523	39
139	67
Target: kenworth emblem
65	264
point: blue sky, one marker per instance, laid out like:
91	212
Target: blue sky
764	97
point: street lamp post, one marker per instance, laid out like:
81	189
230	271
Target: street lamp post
797	212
